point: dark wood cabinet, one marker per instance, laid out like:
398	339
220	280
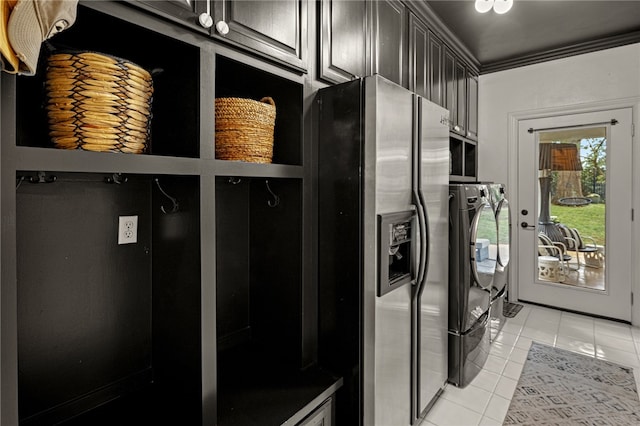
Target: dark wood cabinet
463	156
276	28
214	309
342	35
388	19
419	60
460	123
460	95
322	416
472	106
195	14
435	70
464	125
450	85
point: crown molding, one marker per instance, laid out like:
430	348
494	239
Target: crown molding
562	52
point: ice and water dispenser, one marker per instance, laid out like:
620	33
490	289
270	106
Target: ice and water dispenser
395	258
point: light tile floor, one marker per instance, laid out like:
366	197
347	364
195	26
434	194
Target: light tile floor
485	401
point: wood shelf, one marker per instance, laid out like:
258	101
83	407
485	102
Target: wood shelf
51	159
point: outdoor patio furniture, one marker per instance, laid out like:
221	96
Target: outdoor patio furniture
574	201
593	255
549	269
556	250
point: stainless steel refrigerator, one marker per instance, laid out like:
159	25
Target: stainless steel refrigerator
383	162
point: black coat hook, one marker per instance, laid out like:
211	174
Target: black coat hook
175	206
42	177
276	199
116	178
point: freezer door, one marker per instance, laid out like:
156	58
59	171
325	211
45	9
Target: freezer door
432	296
387	167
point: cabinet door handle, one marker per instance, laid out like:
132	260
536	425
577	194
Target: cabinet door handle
222	27
206	21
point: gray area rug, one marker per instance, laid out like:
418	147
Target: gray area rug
559	387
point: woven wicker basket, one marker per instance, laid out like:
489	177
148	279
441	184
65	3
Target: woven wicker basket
244	129
98	102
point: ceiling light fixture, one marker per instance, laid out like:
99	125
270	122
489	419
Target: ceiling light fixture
499	6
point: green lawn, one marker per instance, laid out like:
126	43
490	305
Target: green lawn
588	220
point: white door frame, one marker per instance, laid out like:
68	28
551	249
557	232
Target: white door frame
512	181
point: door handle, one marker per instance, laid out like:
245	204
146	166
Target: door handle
525	225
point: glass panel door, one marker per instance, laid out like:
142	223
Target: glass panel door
574	212
573	173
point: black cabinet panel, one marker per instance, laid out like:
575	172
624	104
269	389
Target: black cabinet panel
436	88
98	320
322	416
418	57
450	94
342	39
84	311
277	28
464	157
192	13
472	107
460	124
389	50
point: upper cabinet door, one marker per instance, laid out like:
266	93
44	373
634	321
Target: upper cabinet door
418	56
388	49
472	109
277	28
342	40
434	67
450	93
460	126
195	14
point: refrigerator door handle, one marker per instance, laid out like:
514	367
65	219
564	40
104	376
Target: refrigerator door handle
426	244
422	225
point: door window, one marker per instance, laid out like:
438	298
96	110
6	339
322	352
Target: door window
573	175
504	232
485	237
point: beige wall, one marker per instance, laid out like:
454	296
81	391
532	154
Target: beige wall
600	76
595	78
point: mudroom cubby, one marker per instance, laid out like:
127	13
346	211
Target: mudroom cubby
463	157
261	331
108	332
241	80
174	69
211	316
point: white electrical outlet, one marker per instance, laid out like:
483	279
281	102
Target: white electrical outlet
127	229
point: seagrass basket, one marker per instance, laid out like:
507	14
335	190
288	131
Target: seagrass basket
98	102
244	129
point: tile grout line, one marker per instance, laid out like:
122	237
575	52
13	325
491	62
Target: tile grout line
520	326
